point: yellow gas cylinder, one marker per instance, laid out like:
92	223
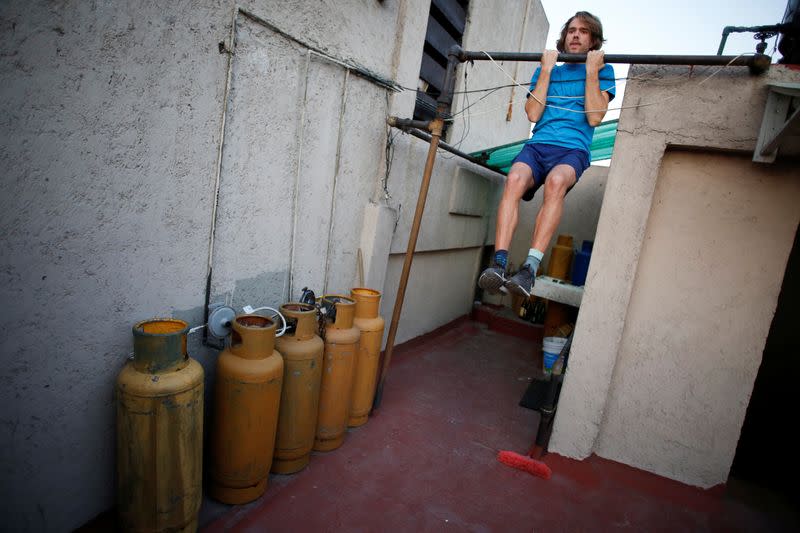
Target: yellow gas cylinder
247	394
370	324
565	240
561	258
159	396
302	357
341	347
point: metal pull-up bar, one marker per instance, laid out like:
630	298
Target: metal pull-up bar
758	64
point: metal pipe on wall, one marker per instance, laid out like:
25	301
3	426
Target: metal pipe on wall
727	30
435	126
296	192
332	219
419	134
228	48
436	134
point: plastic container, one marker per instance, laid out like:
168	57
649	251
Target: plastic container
551	349
581	263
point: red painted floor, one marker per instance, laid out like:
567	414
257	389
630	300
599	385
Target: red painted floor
426	462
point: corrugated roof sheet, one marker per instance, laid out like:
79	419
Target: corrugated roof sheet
602	146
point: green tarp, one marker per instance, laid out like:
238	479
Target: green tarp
500	157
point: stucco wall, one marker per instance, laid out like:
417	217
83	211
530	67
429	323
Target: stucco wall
655	379
110	121
430	299
111	127
707	282
520	26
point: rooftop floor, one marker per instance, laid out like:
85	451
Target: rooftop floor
427	462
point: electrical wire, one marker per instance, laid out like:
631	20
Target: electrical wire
465	110
651	79
249	310
606	110
497	87
467	122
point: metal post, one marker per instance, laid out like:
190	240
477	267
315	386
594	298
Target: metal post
436	133
435	126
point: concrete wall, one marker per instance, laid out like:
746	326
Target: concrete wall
684	278
111	128
110	122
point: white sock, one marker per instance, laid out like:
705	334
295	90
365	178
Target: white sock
534	258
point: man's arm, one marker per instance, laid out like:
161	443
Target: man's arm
534	107
596	102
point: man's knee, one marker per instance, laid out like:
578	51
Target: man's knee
518	182
559	181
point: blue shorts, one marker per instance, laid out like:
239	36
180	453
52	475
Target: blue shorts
543	157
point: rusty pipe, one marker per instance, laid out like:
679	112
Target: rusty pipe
435	126
436	134
406	123
409	127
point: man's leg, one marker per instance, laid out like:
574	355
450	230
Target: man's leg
519	180
558	182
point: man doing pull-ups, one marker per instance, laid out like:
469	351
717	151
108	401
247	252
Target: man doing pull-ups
566	103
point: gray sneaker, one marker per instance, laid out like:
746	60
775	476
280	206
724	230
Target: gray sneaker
492	279
521	283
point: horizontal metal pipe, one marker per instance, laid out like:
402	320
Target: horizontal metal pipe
444	146
643	59
404	123
756	29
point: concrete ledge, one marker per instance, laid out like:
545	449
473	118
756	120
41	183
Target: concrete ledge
558	291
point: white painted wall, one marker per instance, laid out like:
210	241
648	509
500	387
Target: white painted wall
111	127
710	271
684	279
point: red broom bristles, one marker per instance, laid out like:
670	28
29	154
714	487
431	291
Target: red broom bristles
526	464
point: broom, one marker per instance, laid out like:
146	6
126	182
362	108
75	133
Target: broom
526	464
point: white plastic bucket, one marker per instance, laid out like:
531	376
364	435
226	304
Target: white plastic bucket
551	349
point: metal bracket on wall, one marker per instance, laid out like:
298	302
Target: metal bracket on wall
781	114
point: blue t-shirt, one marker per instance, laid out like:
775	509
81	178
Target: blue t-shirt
565	128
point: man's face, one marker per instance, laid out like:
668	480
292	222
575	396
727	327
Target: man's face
579	37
